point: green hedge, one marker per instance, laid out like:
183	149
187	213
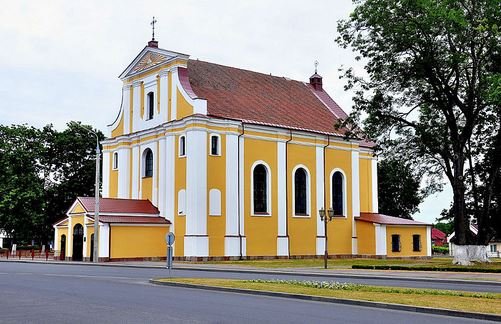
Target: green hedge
424	268
441	249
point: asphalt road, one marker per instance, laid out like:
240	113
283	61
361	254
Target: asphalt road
40	293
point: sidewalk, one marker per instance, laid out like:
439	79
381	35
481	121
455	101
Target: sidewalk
488	278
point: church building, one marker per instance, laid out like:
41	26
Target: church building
237	164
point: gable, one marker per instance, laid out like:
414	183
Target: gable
148	59
77	208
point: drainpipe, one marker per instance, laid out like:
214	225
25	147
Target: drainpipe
287	195
238	189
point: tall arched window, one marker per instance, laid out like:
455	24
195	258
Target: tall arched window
148	163
150	105
260	190
337	193
300	192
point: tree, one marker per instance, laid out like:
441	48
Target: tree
433	95
398	188
44	170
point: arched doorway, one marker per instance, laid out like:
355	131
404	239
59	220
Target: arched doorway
92	247
62	255
77	242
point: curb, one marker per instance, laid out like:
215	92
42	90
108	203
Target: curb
268	272
351	302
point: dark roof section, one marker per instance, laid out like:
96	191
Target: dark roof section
115	205
387	220
259	98
133	220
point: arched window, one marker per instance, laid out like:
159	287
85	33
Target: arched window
150	105
148	163
182	145
300	192
260	190
337	193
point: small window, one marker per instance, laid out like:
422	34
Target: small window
395	243
150	105
260	190
416	243
115	160
148	163
182	145
300	192
214	145
493	248
337	193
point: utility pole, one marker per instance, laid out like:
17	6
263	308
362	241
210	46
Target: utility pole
96	208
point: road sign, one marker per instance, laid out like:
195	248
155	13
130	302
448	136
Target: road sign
170	238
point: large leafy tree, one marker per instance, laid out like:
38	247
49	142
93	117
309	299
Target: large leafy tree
43	171
433	94
398	188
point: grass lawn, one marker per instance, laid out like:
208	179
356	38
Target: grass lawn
456	300
347	263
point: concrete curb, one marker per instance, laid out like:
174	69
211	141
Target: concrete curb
352	302
266	272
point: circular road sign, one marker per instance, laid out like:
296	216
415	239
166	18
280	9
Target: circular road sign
170	238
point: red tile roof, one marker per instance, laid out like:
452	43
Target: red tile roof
115	205
133	220
437	234
259	98
387	220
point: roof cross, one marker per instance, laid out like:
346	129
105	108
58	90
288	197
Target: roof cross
316	65
152	23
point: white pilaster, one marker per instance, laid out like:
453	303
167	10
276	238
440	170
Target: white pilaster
380	231
375	204
161	176
104	241
231	240
86	239
428	241
123	172
355	197
69	238
56	239
135	173
173	86
170	179
164	95
136	109
154	191
196	241
243	240
105	189
282	239
320	182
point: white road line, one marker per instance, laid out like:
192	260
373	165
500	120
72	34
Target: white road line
87	276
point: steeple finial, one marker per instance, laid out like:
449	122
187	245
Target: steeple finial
152	23
316	65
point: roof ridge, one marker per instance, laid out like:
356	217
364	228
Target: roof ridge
247	70
110	198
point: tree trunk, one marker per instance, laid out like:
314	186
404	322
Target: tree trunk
461	222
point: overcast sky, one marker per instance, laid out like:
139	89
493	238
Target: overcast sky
60	60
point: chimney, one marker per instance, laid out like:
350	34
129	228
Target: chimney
153	43
316	81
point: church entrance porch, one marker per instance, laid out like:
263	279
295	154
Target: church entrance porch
78	235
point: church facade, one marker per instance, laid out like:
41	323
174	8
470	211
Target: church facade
240	164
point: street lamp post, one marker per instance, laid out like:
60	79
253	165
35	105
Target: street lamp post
326	218
95	251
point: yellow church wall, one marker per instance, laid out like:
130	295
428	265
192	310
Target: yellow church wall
75	219
260	231
169	94
183	107
366	235
365	185
406	233
158	94
339	230
62	231
113	188
90	231
142	100
180	183
138	241
146	188
119	130
216	179
131	108
302	230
